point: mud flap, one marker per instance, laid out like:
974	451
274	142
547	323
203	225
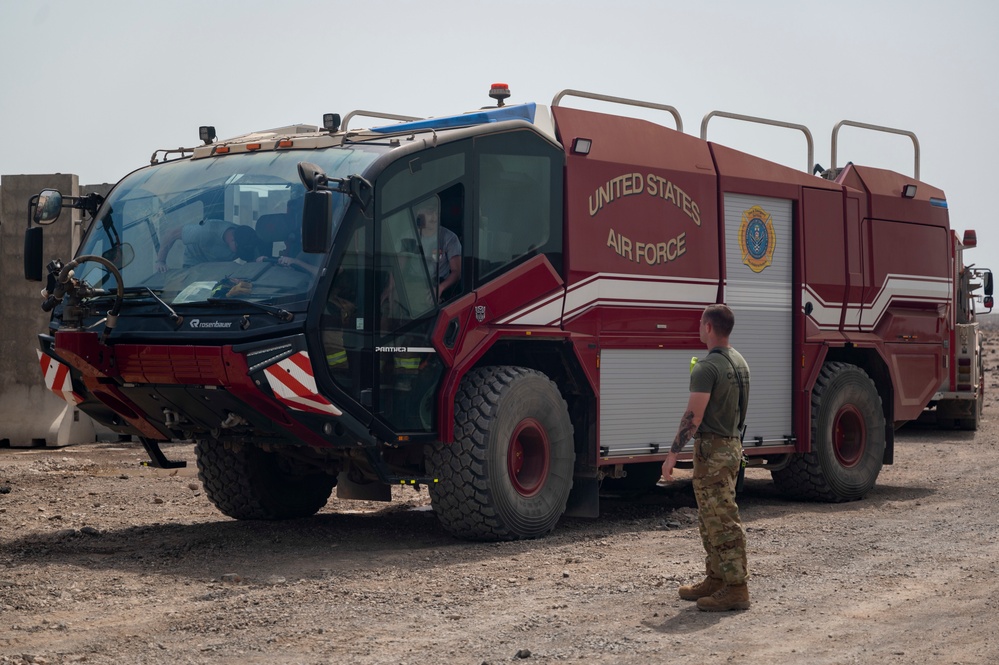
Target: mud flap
372	491
584	498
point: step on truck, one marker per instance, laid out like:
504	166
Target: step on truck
501	306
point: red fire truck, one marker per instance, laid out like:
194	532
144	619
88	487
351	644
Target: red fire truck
502	306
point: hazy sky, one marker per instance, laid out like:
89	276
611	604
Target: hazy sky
92	87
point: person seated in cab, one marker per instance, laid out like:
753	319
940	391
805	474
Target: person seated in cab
441	247
285	230
208	241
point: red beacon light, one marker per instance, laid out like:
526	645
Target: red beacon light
499	92
970	238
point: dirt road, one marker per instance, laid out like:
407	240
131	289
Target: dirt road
105	561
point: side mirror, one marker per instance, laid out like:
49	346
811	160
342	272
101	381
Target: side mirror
311	176
361	191
987	281
317	222
33	254
48	205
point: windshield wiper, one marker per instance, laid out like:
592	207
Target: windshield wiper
277	312
145	291
175	318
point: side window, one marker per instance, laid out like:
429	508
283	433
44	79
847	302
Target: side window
519	204
420	217
419	177
407	293
419	246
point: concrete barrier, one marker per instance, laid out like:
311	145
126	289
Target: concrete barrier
30	414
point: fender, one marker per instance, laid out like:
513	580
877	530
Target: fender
482	319
483	339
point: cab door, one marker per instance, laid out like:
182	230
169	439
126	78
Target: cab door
420	216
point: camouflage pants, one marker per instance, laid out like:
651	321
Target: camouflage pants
716	467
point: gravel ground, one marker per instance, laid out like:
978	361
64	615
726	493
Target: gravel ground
103	560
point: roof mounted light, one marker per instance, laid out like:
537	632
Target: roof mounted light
909	191
331	122
970	238
499	92
207	134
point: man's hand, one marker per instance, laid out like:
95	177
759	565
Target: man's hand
696	404
161	266
668	467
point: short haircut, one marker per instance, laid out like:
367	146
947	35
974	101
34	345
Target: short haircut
247	243
721	318
431	205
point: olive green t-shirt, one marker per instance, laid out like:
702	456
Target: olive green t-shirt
714	374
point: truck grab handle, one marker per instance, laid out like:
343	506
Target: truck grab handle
875	128
376	114
763	121
620	100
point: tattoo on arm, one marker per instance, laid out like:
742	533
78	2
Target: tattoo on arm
685	433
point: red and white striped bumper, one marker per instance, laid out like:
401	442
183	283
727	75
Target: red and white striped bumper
294	385
57	378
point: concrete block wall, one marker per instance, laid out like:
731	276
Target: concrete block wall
30	414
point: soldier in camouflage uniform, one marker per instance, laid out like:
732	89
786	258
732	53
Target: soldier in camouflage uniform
716	409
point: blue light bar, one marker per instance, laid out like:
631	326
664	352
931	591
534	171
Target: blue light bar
940	203
517	112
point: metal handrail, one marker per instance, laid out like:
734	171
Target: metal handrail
376	114
621	100
875	128
763	121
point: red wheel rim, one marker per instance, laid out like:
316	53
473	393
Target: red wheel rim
528	457
849	435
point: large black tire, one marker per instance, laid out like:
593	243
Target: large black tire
508	473
848	439
247	483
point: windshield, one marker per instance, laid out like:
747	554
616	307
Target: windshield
216	227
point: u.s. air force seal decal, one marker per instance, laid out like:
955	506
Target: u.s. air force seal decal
757	239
